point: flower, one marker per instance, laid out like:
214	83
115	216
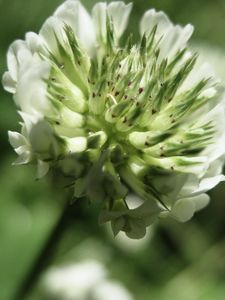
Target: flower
119	117
84	280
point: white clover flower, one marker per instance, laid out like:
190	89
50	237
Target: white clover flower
86	280
119	117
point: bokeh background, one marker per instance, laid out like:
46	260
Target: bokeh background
175	261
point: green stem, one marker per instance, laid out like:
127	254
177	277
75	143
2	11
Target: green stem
46	254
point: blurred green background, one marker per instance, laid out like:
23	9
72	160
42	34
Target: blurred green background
177	261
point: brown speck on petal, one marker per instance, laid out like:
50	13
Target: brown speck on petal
141	90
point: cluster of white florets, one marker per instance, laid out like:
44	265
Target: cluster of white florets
140	118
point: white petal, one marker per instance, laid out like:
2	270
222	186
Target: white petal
201	201
183	210
31	94
69	118
29	120
52	30
216	116
23	158
152	18
118	12
196	165
77	144
17	54
42	168
190	185
208	93
175	39
34	41
42	138
111	291
22	149
75	15
208	183
16	139
199	72
99	17
214	55
215	168
8	83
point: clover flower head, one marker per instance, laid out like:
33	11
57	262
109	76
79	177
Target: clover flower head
119	117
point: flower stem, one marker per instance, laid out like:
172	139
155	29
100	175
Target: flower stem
46	254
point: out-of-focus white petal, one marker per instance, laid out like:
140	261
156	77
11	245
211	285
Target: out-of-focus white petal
111	291
73	13
74	281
